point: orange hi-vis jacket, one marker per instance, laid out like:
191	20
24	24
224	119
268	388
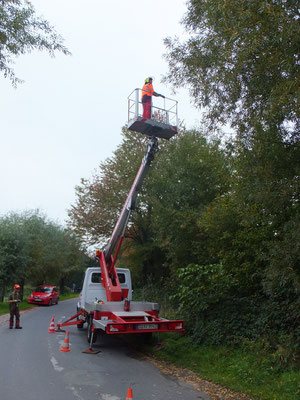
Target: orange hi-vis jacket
147	90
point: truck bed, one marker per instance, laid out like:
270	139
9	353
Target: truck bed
142	317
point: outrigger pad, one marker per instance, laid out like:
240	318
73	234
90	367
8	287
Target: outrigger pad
91	351
152	127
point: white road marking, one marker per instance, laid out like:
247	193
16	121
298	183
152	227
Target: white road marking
110	397
76	394
57	367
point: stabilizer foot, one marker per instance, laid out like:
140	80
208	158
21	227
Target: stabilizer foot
91	351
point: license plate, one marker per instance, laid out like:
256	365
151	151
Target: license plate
147	326
37	299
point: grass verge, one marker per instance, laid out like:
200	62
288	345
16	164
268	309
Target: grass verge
244	370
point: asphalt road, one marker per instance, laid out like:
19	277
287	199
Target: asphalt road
33	367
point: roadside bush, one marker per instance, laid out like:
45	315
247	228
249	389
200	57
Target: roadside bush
67	290
218	312
157	293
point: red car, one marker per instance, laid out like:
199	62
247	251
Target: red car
44	294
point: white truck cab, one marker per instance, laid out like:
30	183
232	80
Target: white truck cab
93	290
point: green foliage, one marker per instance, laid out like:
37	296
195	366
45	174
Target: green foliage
13	254
214	306
158	292
34	250
188	172
270	183
200	286
241	62
254	231
99	200
220	309
21	31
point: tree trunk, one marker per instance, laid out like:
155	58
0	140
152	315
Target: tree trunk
2	291
22	282
62	285
146	269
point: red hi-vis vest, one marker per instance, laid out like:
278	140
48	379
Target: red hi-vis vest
147	90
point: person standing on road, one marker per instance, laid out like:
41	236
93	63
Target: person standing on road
147	93
14	299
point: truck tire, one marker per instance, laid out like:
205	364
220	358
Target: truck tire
89	330
79	326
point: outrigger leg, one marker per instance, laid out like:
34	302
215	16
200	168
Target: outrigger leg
90	350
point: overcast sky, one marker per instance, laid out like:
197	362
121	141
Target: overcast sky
67	117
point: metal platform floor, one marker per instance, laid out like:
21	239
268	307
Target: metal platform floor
152	127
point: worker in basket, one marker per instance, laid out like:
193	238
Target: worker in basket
147	93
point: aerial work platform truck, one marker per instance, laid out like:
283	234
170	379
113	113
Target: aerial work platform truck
105	302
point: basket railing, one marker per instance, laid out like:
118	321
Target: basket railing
163	110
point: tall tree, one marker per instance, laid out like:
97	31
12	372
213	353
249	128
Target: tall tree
34	250
241	62
188	172
21	31
254	231
99	200
13	254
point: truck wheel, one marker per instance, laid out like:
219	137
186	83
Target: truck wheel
79	326
89	330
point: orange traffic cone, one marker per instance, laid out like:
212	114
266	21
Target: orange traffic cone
65	347
129	394
51	328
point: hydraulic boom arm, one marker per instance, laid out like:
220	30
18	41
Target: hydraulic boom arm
130	202
107	260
